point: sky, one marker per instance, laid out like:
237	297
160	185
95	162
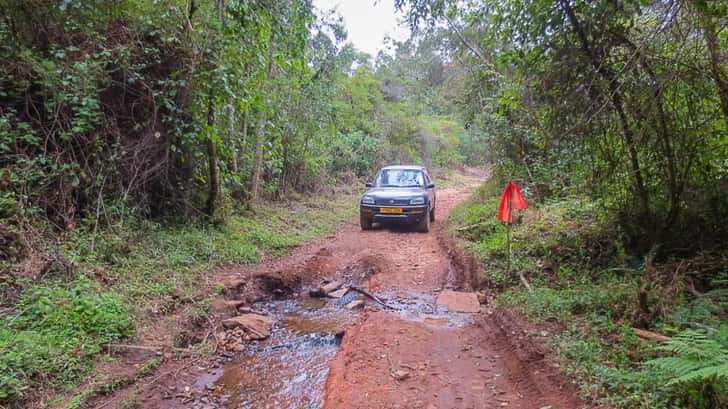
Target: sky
368	22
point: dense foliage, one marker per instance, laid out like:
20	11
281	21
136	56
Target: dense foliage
613	116
179	108
627	101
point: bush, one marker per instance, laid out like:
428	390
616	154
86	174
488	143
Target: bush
57	330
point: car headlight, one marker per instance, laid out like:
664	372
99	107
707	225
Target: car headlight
367	200
417	201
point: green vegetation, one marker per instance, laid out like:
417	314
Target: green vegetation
177	109
599	98
148	259
584	280
58	327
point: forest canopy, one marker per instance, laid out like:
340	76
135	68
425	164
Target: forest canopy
169	108
626	100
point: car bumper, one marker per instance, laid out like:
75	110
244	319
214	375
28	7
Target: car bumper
409	214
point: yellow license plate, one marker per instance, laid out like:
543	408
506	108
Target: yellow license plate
391	210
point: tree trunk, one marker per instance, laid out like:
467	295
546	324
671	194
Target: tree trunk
260	134
220	8
213	183
231	134
282	179
246	119
244	141
213	187
615	98
674	186
719	75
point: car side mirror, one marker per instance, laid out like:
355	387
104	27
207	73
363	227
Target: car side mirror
368	184
431	186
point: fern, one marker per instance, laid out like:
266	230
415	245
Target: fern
697	358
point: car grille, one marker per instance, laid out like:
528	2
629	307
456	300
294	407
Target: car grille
392	202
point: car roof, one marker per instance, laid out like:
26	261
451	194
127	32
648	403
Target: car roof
404	167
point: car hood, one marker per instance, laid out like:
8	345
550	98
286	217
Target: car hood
395	192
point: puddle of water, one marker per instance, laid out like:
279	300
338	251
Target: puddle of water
311	303
350	296
422	307
299	323
289	369
289	377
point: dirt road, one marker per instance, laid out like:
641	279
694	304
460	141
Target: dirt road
411	354
419	357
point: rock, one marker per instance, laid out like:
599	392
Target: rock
330	287
255	326
400	375
316	293
355	304
236	284
225	308
325	290
339	293
456	301
482	298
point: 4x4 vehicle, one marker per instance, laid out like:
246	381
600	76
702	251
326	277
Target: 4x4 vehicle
403	194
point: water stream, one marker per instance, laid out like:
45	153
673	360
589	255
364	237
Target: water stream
289	369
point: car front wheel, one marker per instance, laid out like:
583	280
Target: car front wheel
424	224
366	223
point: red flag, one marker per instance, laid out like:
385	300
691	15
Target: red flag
516	202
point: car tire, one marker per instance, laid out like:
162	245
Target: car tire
424	224
432	215
366	223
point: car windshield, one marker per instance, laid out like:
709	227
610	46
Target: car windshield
401	178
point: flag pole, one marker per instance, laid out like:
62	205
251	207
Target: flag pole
508	232
508	241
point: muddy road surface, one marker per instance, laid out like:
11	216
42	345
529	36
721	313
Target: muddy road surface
349	350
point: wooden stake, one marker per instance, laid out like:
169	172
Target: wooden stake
508	233
508	244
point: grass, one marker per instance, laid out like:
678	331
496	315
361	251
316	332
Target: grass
58	329
584	279
148	260
126	274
